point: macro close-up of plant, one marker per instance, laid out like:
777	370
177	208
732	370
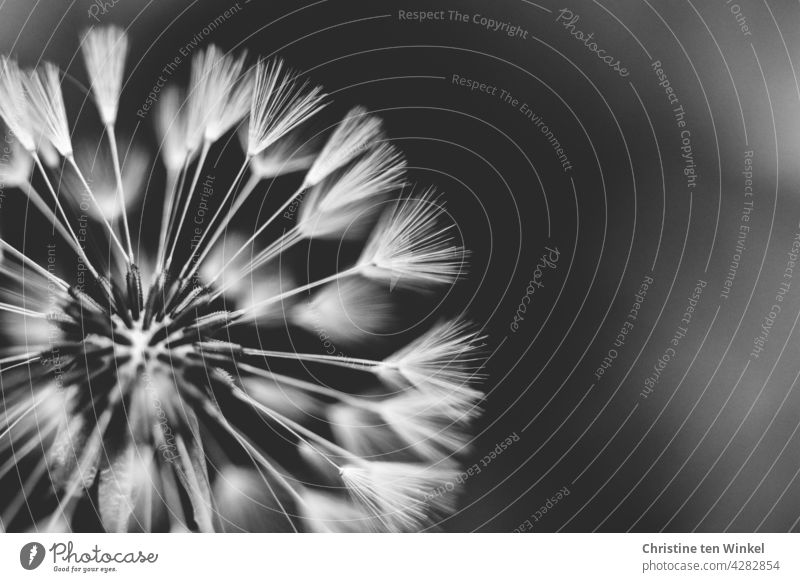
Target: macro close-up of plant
149	370
390	269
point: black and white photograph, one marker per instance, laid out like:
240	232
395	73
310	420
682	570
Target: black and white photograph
430	273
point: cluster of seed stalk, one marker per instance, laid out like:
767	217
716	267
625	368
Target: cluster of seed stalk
126	406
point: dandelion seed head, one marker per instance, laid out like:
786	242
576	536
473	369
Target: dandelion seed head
132	385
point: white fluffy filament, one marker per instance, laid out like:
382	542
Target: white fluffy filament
409	247
104	51
16	165
279	105
339	205
425	424
399	495
443	362
219	97
351	310
172	126
352	137
286	156
98	165
44	90
14	107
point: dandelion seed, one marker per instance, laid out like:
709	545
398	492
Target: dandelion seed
279	104
172	126
219	97
350	311
287	156
352	137
14	106
98	167
444	363
104	51
361	430
409	247
398	495
47	153
44	89
425	424
340	205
